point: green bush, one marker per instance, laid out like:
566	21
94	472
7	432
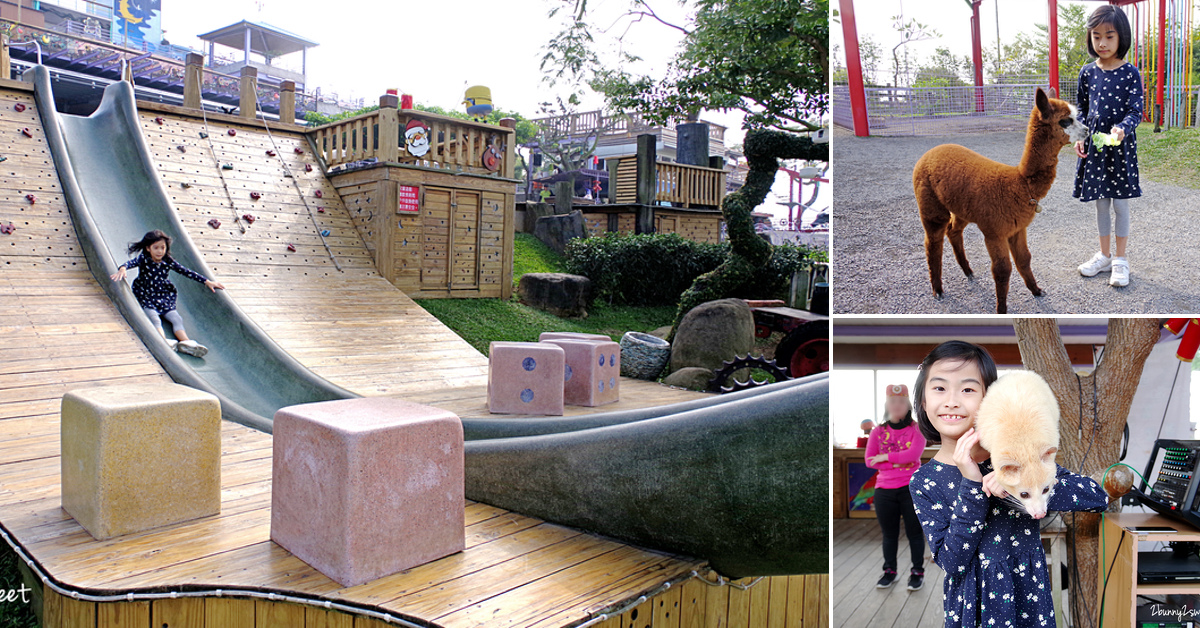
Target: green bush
655	269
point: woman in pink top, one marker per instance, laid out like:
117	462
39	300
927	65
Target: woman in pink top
894	449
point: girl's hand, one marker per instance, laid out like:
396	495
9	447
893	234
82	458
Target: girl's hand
213	285
962	456
1080	149
119	275
1119	132
880	459
992	487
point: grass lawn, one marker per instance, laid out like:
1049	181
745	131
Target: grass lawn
480	321
13	613
1172	156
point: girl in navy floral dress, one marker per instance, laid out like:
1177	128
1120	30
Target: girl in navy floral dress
1110	101
996	572
154	290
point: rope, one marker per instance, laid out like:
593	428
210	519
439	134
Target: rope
289	174
237	220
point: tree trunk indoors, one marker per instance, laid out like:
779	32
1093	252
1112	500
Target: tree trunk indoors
1095	407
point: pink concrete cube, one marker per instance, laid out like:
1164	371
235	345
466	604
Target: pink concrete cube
571	335
363	488
593	372
526	378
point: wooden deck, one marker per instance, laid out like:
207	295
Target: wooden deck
857	562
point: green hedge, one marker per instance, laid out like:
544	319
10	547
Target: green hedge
655	269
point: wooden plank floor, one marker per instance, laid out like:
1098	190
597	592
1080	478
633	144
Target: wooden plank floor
857	562
351	327
61	333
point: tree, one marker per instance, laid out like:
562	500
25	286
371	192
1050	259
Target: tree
1094	407
910	31
747	251
767	58
561	148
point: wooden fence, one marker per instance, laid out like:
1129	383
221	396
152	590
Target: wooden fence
677	184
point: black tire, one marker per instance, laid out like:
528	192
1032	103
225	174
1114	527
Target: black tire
805	350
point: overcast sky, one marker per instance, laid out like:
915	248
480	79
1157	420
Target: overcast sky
433	50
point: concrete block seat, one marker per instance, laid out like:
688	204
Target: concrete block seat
526	378
136	457
364	488
593	371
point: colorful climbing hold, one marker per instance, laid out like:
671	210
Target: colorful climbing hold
248	218
3	158
182	148
320	194
19	107
232	132
26	132
185	185
31	198
203	135
254	196
214	223
7	228
320	210
308	167
226	166
270	153
325	233
292	248
298	150
159	120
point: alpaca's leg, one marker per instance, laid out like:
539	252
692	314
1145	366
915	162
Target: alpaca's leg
955	234
1001	269
934	218
1021	257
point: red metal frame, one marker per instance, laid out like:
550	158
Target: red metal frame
977	54
858	100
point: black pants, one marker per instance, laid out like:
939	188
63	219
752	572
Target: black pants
890	505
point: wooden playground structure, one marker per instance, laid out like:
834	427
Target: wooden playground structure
321	284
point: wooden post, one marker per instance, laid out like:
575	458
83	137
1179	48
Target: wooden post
287	102
5	59
249	96
612	165
691	143
564	193
510	147
647	169
191	80
389	128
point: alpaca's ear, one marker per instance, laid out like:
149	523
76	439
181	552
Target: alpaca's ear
1043	103
1048	455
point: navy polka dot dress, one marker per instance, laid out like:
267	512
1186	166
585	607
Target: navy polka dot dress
996	573
1109	98
153	287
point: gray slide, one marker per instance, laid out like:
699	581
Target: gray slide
115	196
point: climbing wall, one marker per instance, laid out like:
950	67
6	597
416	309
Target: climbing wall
350	326
59	330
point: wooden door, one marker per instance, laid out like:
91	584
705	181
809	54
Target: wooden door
464	207
435	239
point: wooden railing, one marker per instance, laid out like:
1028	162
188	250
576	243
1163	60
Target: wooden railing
454	144
620	124
678	184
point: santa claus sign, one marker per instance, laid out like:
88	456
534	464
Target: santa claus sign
416	138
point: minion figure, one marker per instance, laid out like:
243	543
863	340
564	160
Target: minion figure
478	101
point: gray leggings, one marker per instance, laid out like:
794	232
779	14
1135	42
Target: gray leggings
1120	208
172	317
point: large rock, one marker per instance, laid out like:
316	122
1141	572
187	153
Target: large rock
560	294
556	231
691	378
643	356
711	333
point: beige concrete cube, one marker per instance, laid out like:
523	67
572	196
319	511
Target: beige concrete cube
136	457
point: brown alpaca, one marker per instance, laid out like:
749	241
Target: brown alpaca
956	186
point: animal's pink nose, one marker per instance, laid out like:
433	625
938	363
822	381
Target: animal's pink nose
1038	515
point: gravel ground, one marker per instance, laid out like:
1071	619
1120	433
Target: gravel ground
879	255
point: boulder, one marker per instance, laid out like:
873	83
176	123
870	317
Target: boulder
711	333
643	356
691	377
560	294
556	231
662	332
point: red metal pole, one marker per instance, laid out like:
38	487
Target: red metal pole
1052	5
977	54
858	100
1162	62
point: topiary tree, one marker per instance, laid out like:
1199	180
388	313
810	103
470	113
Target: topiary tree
747	251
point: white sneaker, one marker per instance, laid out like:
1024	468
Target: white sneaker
1120	272
1098	264
171	342
192	348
